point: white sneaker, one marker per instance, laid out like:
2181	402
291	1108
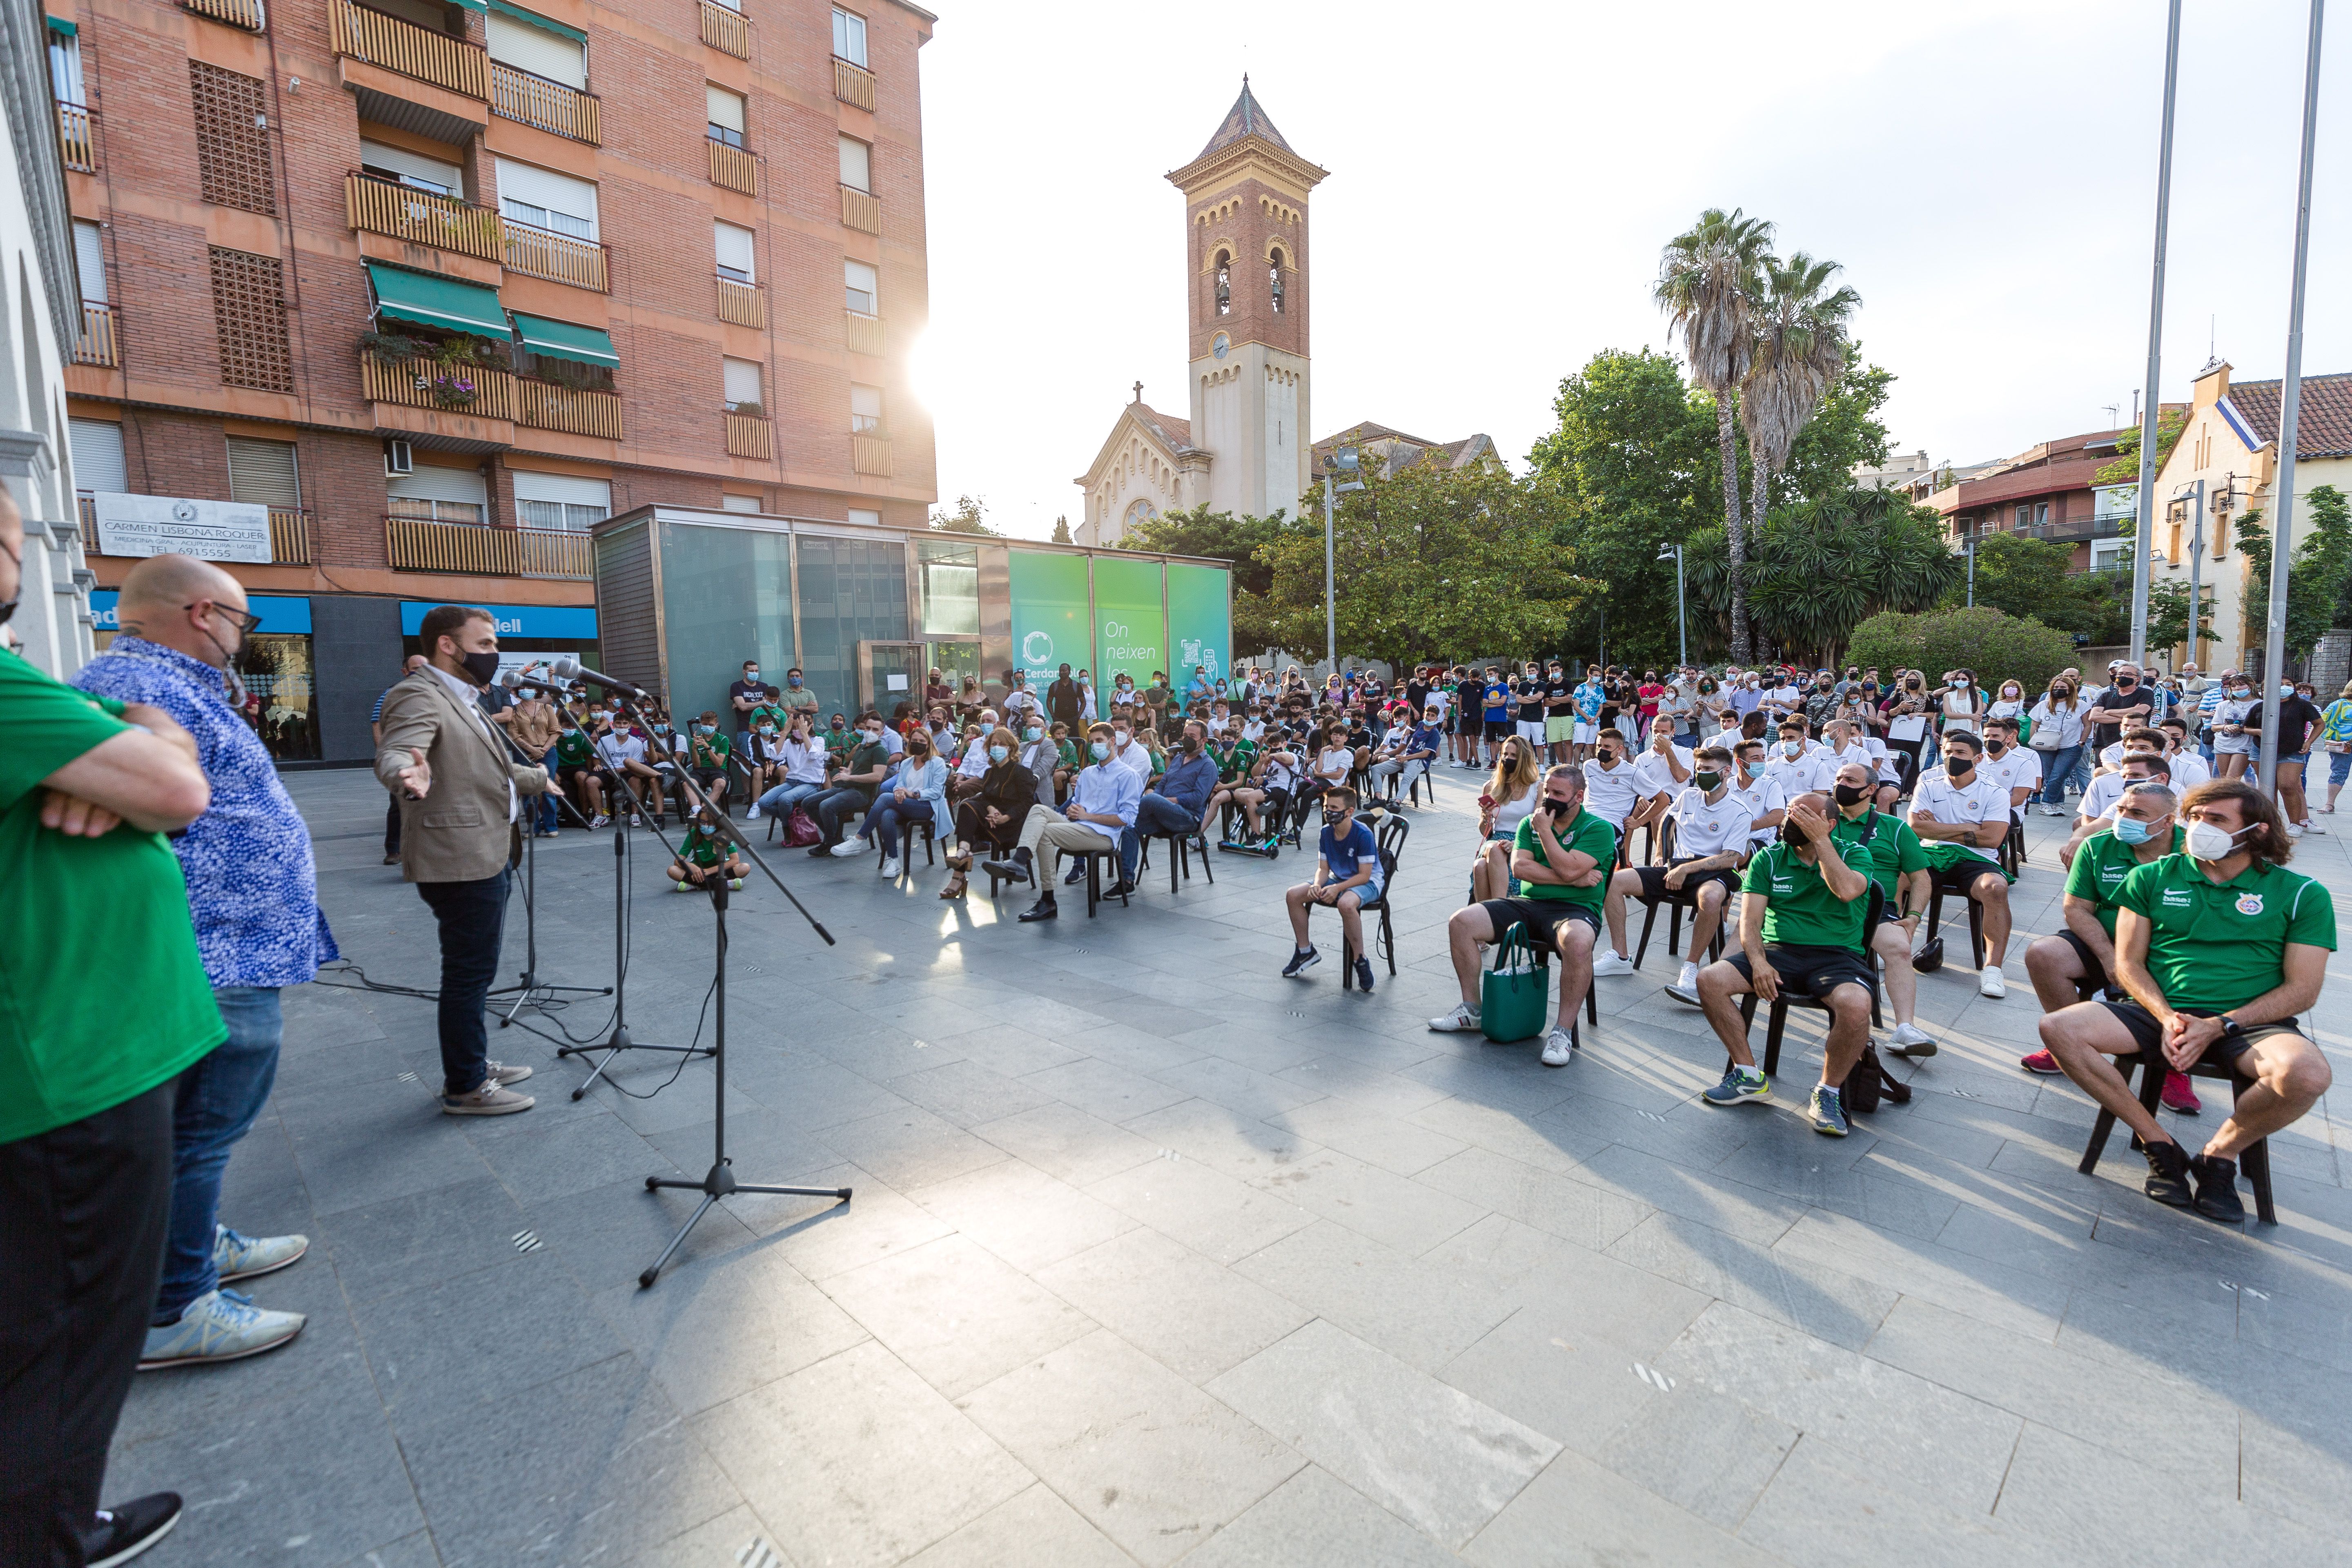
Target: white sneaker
1612	964
1558	1049
889	867
1911	1041
636	821
2294	830
1686	986
752	815
1463	1020
2311	828
1991	985
848	848
600	820
2053	811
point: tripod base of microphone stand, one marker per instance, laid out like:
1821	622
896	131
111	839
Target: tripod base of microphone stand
613	1045
718	1184
527	983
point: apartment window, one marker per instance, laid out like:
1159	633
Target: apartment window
264	473
545	199
64	67
743	386
739	503
540	47
434	494
564	501
414	170
2024	517
726	116
733	245
232	138
864	410
97	462
871	517
859	283
90	261
856	164
849	36
249	313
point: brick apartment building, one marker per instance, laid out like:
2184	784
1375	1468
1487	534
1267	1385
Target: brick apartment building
2048	491
441	285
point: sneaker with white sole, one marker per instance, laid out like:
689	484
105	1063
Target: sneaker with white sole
1607	964
1739	1086
218	1326
1991	985
752	815
506	1075
489	1099
1911	1041
2294	830
850	848
889	867
123	1531
1463	1020
238	1257
1558	1049
600	820
1685	985
1827	1110
734	884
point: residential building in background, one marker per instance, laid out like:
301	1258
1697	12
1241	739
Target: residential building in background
2048	491
1387	451
386	305
39	314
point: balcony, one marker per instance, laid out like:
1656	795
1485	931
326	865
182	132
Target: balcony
97	343
73	138
861	210
290	532
425	383
415	544
559	257
404	212
869	452
742	303
380	39
245	14
731	166
545	405
551	106
867	335
750	436
853	84
725	29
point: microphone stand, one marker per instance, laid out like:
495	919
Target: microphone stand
529	983
719	1180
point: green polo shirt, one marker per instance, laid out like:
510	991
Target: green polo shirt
702	849
1234	762
1801	910
2101	864
1895	850
869	755
2215	948
102	994
572	749
1587	835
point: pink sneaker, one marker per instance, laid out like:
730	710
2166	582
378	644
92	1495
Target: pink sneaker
2178	1096
2040	1062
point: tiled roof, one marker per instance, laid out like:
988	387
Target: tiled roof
1176	433
1245	118
2323	424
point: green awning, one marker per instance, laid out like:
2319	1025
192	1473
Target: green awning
533	19
436	301
471	5
562	340
60	24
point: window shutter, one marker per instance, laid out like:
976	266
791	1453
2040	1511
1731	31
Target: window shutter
742	380
559	194
90	261
98	455
568	488
735	249
264	472
856	164
427	483
726	108
538	51
447	178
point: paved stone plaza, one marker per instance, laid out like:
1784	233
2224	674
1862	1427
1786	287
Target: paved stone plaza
1155	1256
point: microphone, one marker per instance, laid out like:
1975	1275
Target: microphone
511	680
567	668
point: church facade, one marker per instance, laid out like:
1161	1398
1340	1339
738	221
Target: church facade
1241	444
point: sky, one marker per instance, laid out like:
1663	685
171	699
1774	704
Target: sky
1502	179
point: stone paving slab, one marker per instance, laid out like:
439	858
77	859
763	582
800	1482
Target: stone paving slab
1156	1257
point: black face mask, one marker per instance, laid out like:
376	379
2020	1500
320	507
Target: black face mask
480	668
1793	836
1960	767
1707	782
1851	795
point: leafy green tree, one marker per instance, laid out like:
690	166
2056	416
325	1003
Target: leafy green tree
2123	469
1801	342
2319	584
2022	576
1997	646
1243	540
1822	566
967	517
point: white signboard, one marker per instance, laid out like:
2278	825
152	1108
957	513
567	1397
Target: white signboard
162	525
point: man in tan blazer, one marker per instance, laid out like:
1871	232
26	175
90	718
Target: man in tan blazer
461	796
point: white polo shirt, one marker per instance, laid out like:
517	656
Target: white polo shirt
2020	767
1762	797
1983	800
1703	828
1609	791
1652	776
2188	768
1883	761
1795	775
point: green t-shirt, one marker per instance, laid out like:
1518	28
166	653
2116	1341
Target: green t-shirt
770	712
1234	762
572	749
703	848
1895	850
712	751
102	994
1801	910
1587	835
1068	751
869	755
2212	947
2099	870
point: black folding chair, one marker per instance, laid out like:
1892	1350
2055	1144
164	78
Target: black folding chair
2255	1160
1180	862
1975	919
1675	904
1391	837
1778	1018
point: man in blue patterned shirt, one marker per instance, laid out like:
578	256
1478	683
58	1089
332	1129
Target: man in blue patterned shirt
253	895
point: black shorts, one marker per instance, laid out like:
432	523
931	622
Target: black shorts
2148	1034
1961	874
1812	972
1500	729
568	773
705	778
2095	973
1542	917
1654	882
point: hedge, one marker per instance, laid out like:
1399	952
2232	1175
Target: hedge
1997	646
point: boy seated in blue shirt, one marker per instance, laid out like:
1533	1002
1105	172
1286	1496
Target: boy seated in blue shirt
1347	872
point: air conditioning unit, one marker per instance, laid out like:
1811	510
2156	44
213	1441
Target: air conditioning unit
398	458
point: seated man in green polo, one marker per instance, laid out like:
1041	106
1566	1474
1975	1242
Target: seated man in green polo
1800	916
1898	862
2220	949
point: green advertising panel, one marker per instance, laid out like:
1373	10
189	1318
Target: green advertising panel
1049	614
1130	626
1200	622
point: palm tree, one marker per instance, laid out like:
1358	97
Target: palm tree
1801	347
1707	283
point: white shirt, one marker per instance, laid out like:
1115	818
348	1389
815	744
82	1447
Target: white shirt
619	746
1762	797
466	691
1609	793
1135	759
1652	776
1703	828
1795	775
1855	752
2016	768
1983	800
803	762
1882	761
2189	770
2068	720
1018	700
1783	698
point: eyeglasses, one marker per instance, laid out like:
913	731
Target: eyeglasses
242	620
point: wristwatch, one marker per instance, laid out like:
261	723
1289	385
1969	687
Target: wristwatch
2230	1028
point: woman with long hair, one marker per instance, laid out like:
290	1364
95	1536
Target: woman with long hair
991	818
2057	720
1510	794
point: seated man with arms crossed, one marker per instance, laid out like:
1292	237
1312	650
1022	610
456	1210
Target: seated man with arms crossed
1562	853
1800	916
1348	871
1712	822
1660	774
1886	847
2219	949
1964	815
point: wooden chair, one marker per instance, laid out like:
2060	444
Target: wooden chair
1778	1019
2255	1160
1389	836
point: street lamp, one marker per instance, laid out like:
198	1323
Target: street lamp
1348	465
1682	621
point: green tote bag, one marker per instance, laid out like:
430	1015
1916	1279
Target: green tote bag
1511	996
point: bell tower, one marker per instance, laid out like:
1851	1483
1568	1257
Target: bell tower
1246	254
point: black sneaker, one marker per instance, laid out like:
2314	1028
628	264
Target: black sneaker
129	1528
1304	959
2167	1174
1364	976
1045	909
1077	874
2217	1189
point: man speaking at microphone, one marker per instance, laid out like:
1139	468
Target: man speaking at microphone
460	798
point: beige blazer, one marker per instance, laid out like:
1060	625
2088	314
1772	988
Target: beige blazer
459	832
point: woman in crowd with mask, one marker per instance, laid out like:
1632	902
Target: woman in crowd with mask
917	793
2298	722
1959	702
991	818
2336	735
2008	702
2057	735
1511	793
2234	739
1903	710
797	773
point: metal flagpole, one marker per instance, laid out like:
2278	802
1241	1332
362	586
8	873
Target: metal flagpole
2148	419
2290	413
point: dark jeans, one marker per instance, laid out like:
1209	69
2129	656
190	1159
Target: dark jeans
834	804
472	915
391	824
217	1101
81	1241
1157	814
895	816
